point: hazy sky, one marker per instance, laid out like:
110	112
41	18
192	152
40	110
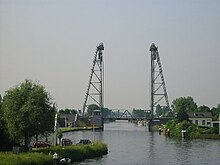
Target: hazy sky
54	41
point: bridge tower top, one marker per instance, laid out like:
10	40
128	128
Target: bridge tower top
158	90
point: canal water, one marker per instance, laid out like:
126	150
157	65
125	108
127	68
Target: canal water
129	144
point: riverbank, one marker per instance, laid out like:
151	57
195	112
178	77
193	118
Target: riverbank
186	129
208	136
44	156
71	129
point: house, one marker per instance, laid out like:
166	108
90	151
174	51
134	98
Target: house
201	118
216	123
68	120
96	119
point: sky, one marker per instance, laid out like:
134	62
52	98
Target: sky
53	42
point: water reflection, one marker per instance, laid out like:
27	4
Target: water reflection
151	152
132	145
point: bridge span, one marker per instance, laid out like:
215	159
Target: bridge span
119	114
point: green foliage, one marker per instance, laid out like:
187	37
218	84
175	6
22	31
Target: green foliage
42	157
161	111
182	115
1	113
171	124
0	101
184	103
106	112
5	142
176	127
207	130
192	130
68	111
91	108
203	109
7	158
27	111
59	134
195	131
139	113
216	112
187	104
81	124
77	152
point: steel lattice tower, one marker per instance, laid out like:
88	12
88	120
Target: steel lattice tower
95	87
158	88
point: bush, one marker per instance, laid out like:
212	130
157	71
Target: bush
176	127
207	130
192	130
179	127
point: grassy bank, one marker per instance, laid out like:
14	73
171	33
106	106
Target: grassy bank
7	158
78	152
44	156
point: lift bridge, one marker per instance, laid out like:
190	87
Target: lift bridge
95	90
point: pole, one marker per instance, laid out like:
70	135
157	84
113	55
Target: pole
55	129
152	49
152	85
93	133
101	84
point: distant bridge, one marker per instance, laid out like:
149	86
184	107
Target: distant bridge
121	114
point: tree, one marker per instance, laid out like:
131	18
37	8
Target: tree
167	111
215	112
184	103
27	111
59	135
68	111
5	142
182	115
91	108
203	108
0	100
1	119
139	113
161	111
106	112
